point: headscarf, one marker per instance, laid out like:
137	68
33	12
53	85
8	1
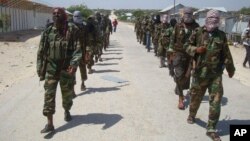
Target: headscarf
173	22
164	18
212	20
77	17
188	15
157	19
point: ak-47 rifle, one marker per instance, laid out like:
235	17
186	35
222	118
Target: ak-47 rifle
44	58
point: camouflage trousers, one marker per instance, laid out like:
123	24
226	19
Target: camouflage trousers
181	64
83	70
162	51
89	58
106	41
215	90
66	82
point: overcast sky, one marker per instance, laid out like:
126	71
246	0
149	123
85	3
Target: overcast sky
150	4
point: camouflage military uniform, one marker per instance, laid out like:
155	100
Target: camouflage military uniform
62	52
165	39
91	43
100	36
156	35
137	29
208	71
82	64
107	29
181	60
163	42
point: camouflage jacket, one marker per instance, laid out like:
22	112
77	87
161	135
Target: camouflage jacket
83	36
99	32
157	32
217	55
180	36
60	51
165	37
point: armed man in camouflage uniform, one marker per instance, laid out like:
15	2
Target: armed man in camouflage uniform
164	41
180	60
156	33
58	56
91	43
100	34
144	30
137	28
81	24
141	31
209	49
107	26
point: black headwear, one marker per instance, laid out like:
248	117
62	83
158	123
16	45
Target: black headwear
173	22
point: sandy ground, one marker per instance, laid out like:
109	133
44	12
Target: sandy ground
17	61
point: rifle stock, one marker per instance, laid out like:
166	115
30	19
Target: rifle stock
44	60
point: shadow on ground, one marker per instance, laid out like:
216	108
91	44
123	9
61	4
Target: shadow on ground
223	126
100	90
106	64
205	100
19	36
104	71
113	58
108	53
108	120
114	50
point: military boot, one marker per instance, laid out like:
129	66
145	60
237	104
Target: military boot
181	105
100	59
83	87
73	92
67	116
162	64
96	59
47	128
90	71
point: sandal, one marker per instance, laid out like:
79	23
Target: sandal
191	120
214	136
48	128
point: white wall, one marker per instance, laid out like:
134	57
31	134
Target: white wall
24	19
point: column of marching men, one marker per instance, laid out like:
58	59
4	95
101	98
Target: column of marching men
191	51
65	45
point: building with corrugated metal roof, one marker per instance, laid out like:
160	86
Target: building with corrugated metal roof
18	15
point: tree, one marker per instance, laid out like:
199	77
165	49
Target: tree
82	8
138	13
245	11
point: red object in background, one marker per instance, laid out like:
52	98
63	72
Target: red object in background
115	23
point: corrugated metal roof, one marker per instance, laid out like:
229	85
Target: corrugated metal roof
170	7
222	9
41	2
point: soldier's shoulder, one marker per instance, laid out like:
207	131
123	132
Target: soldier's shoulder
222	34
72	24
179	26
47	28
195	24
